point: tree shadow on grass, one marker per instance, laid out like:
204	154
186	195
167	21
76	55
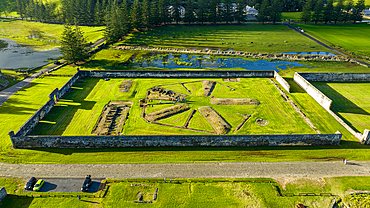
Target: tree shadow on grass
13	201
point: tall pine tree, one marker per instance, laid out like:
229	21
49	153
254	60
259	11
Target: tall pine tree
73	44
317	13
328	12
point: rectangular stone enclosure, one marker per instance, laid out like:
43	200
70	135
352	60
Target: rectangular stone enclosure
22	139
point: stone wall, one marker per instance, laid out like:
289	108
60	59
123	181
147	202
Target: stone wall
174	141
54	96
2	193
282	81
177	74
316	94
366	137
336	77
303	80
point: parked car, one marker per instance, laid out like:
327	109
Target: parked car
30	183
56	62
87	183
38	185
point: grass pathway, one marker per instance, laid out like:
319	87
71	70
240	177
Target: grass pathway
190	170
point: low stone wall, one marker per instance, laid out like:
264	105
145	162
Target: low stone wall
336	77
282	81
3	193
177	74
316	94
303	80
174	141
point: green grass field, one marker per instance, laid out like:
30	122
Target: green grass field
350	101
77	112
352	37
19	31
209	193
251	37
293	16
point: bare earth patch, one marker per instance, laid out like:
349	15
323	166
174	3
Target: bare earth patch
234	101
167	112
216	120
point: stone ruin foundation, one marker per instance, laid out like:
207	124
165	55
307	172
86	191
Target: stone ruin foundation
113	118
234	101
167	112
208	87
218	123
159	93
125	86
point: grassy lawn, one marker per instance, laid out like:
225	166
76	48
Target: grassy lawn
89	97
350	101
293	16
251	37
20	31
352	37
209	193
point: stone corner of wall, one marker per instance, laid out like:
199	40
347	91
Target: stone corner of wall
3	193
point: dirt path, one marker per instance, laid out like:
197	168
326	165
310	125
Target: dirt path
190	170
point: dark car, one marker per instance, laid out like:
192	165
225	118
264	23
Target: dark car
87	183
56	62
30	183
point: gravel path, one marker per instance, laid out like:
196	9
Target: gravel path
190	170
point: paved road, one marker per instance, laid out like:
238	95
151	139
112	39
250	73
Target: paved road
326	46
189	170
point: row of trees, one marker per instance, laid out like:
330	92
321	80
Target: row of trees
286	5
315	11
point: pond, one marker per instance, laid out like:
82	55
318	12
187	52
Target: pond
173	61
14	56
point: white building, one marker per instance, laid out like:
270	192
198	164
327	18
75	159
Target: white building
367	12
250	11
171	10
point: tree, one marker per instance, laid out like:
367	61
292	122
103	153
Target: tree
317	13
337	15
154	15
213	6
357	11
264	12
241	5
328	12
126	18
227	14
176	7
145	13
202	8
189	11
73	44
136	15
275	11
306	13
348	8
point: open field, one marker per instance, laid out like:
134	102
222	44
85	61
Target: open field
352	37
46	36
88	98
350	101
206	192
251	37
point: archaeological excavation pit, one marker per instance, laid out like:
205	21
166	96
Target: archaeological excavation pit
113	118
